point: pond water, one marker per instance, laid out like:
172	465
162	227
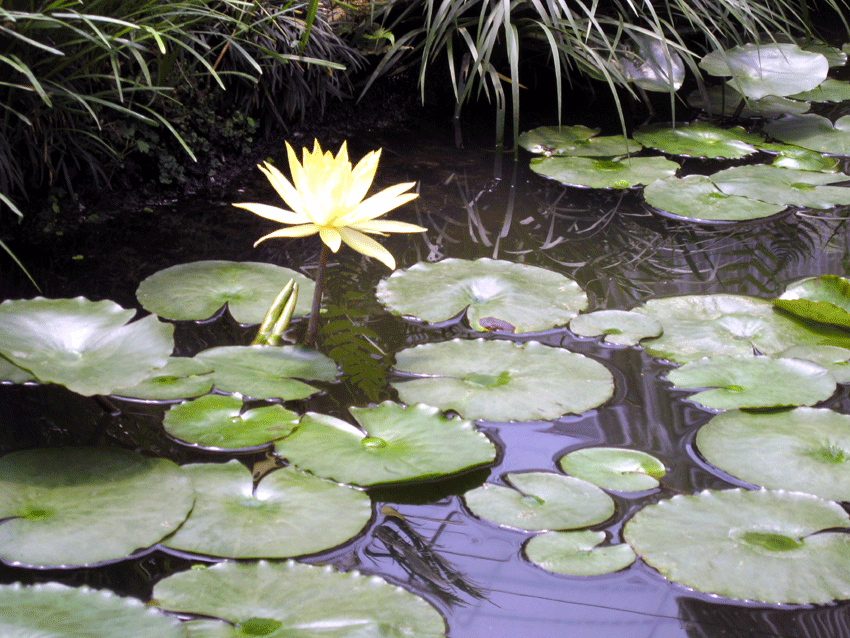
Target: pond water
474	203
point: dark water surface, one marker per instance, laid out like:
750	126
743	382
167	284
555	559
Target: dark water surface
475	204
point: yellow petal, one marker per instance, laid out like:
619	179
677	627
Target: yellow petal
384	226
361	179
299	179
286	191
380	203
331	238
274	213
293	231
367	246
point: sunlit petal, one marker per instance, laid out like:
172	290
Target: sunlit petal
286	190
361	179
331	238
299	179
367	246
274	213
384	226
293	231
378	204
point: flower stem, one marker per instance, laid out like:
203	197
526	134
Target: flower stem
313	325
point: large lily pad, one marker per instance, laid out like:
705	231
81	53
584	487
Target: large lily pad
396	443
699	139
578	553
527	297
697	198
833	358
540	501
502	380
197	290
814	132
830	90
604	173
614	468
88	346
290	599
758	70
218	422
180	378
825	299
11	373
725	100
804	449
754	382
620	327
652	64
291	513
51	610
267	372
803	159
783	186
64	507
549	140
767	546
700	326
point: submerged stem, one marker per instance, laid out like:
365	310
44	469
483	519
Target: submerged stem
313	325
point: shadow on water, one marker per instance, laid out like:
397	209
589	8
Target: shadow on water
475	204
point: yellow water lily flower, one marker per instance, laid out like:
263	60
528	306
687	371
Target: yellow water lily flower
326	197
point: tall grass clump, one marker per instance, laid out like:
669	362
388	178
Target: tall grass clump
487	43
86	85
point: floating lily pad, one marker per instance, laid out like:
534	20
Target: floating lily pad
291	513
620	327
578	553
290	599
529	298
697	198
604	173
614	468
51	610
540	501
197	290
814	132
830	90
803	159
11	373
88	346
78	506
766	546
725	100
548	140
757	70
396	444
833	358
218	422
783	186
652	64
825	299
700	326
804	449
699	139
180	378
754	382
502	380
267	372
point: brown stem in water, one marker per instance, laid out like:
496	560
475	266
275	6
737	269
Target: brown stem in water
313	325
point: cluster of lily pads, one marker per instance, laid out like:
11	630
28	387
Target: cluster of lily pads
776	83
227	401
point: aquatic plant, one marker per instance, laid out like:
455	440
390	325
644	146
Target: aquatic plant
326	197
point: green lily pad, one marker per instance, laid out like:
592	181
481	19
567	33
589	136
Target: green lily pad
783	186
620	327
578	553
804	449
814	132
180	378
604	173
699	139
700	326
758	70
802	159
697	198
652	64
502	380
88	346
11	373
267	372
291	513
291	599
825	299
51	610
549	140
79	506
833	358
540	501
830	90
614	468
396	443
766	546
197	290
218	422
725	100
754	382
529	298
